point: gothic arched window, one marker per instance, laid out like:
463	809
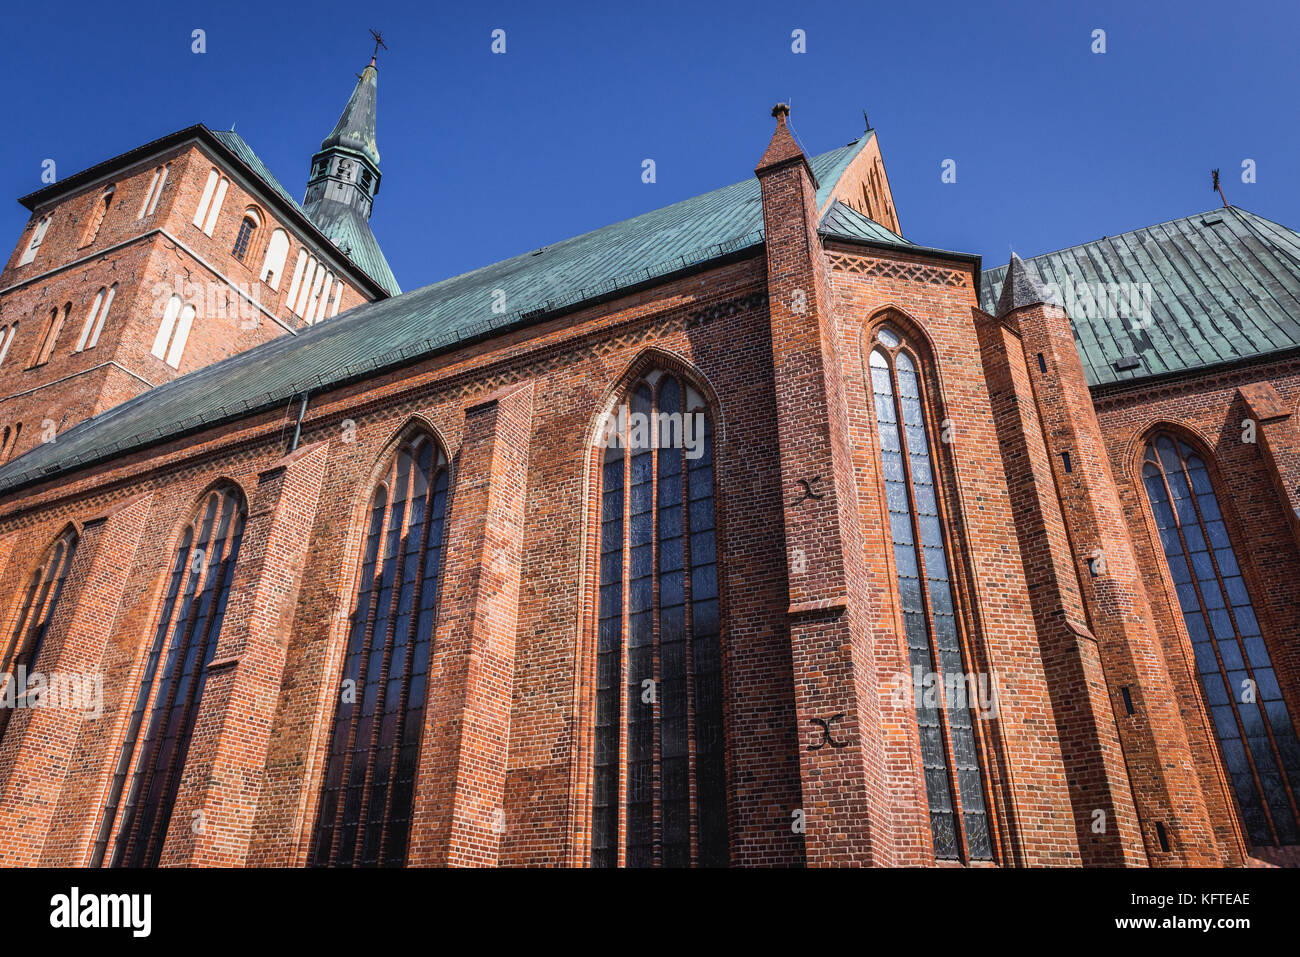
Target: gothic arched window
38	602
1251	721
374	748
953	780
189	624
658	647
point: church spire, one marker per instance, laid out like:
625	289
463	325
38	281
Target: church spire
346	167
344	179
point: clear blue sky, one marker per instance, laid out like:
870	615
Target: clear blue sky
486	156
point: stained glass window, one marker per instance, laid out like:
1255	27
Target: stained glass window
660	778
38	599
189	624
949	755
364	818
1254	728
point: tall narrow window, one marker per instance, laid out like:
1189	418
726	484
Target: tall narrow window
273	265
1254	728
151	196
103	315
953	780
11	443
244	238
305	290
658	646
298	268
7	339
189	624
52	329
38	603
38	237
364	817
94	323
320	297
214	193
173	332
97	215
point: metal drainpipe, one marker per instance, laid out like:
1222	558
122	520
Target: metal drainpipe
297	429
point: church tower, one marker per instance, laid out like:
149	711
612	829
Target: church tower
344	179
175	255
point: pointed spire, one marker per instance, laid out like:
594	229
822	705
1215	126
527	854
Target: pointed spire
344	180
355	129
1021	287
782	148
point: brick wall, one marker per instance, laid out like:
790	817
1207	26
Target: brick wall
149	258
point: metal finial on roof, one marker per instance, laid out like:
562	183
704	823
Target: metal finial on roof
780	110
1214	180
865	122
379	42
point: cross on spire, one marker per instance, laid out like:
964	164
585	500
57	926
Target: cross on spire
379	42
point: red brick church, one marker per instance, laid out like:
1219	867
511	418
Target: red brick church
742	532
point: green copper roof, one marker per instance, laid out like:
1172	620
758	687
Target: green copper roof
236	144
355	129
842	221
425	321
1223	285
349	230
355	241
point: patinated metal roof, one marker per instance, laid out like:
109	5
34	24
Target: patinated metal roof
349	230
423	322
346	228
1222	286
355	129
842	221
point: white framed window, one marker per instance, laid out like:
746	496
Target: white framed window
319	287
7	339
38	237
155	191
169	344
214	193
338	298
94	323
89	324
308	280
273	264
297	277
